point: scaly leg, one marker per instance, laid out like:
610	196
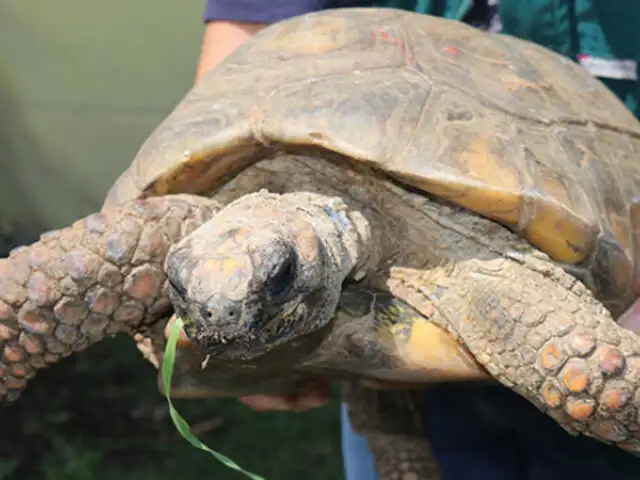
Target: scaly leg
76	286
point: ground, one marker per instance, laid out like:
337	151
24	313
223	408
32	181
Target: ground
99	416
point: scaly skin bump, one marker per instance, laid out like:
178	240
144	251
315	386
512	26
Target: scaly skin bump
101	276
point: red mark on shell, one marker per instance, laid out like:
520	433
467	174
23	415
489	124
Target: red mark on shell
451	51
384	36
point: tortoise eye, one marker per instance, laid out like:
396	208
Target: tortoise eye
284	278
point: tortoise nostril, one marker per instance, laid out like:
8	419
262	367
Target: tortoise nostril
222	310
231	314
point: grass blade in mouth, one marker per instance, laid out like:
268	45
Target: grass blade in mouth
181	424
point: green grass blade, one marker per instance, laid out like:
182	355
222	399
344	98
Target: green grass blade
181	424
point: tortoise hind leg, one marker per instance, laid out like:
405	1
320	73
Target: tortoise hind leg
101	276
393	424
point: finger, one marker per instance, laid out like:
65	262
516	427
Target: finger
315	398
266	403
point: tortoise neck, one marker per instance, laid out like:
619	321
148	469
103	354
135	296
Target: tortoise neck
347	234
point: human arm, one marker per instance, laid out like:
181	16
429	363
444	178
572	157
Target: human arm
229	23
222	38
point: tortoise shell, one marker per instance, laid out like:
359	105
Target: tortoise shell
497	125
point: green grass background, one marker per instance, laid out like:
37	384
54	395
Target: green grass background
99	416
82	83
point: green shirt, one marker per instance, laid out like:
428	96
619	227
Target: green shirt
603	36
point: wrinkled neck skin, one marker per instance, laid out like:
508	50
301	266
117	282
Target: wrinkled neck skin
347	235
344	228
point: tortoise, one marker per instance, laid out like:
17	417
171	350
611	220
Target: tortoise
375	196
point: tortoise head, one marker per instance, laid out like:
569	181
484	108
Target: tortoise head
257	275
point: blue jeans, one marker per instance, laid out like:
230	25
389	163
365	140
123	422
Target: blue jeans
487	432
357	460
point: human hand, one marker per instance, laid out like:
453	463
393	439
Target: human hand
222	38
316	397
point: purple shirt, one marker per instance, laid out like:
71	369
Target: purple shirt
269	11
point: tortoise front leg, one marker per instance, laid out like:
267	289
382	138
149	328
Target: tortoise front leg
394	425
101	276
543	334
